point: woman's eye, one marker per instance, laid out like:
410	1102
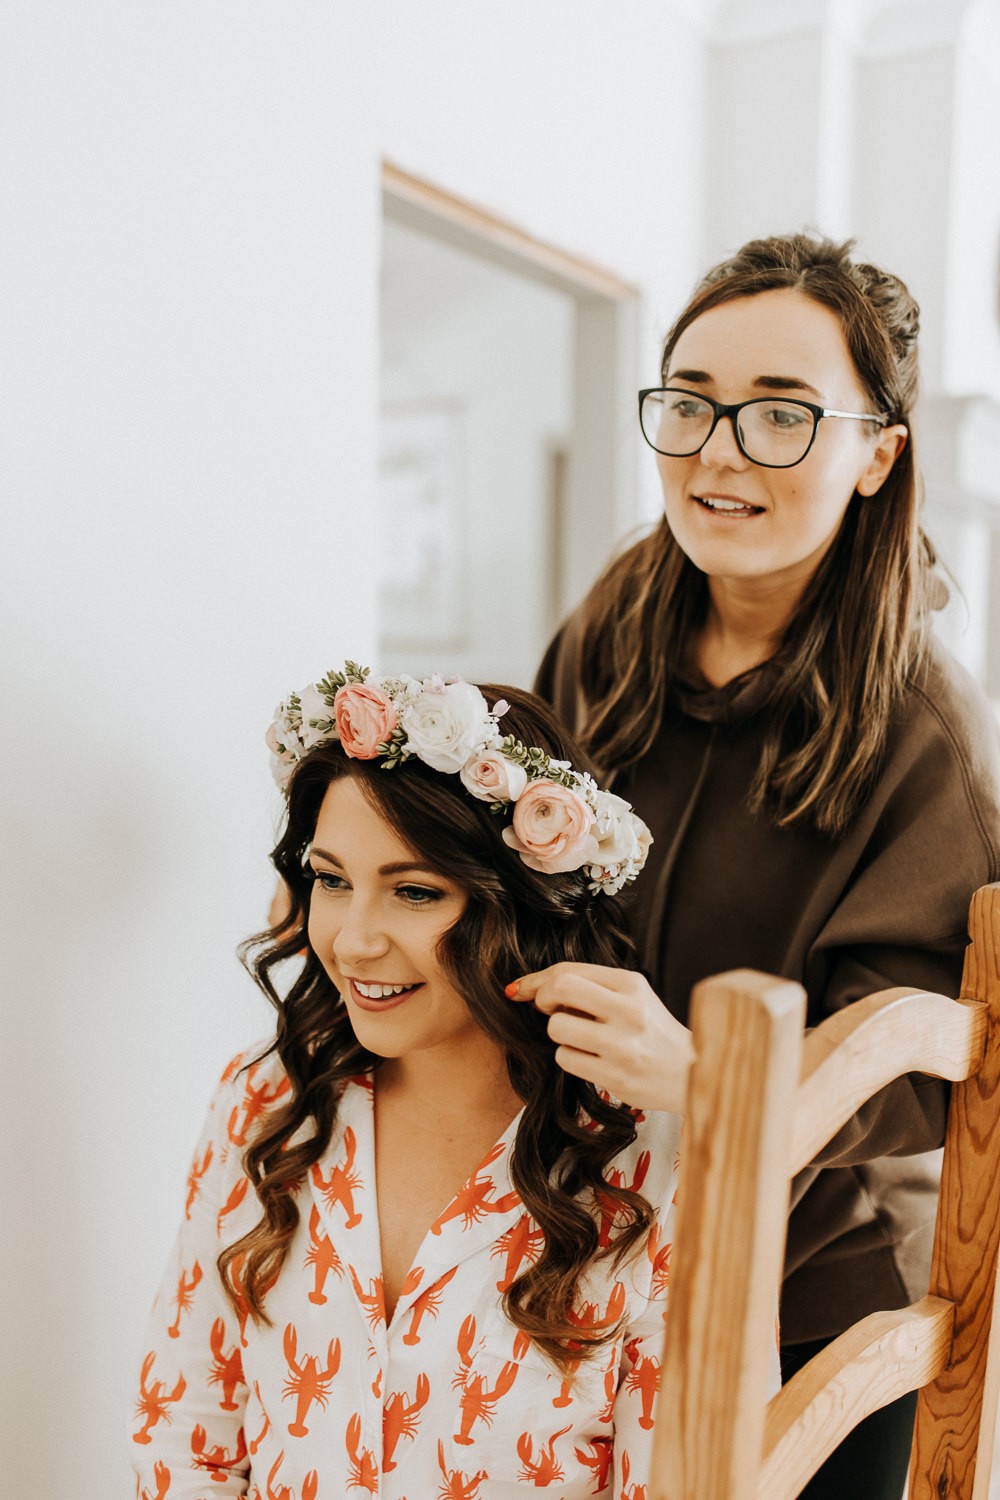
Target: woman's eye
328	882
687	408
784	417
419	895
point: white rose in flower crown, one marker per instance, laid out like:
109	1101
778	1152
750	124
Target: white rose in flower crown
492	778
446	724
620	833
314	706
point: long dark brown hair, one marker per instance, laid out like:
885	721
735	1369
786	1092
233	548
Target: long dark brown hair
859	629
516	921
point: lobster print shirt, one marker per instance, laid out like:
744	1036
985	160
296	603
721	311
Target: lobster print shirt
450	1401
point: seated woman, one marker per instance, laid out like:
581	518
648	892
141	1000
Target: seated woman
420	1257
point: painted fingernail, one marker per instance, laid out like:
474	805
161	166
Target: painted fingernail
510	990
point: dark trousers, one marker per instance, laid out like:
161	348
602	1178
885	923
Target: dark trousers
871	1463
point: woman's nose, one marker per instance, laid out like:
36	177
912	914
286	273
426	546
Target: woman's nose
721	450
361	936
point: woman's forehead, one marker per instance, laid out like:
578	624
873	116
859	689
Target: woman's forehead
781	333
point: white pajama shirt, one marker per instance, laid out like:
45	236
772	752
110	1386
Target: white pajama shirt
449	1401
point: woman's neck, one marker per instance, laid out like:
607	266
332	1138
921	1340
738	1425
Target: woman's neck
444	1089
743	627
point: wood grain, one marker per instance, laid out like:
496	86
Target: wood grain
875	1361
952	1446
865	1046
732	1207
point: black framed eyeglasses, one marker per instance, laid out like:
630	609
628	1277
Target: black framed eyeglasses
771	431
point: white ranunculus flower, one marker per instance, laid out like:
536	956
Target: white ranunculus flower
621	835
445	726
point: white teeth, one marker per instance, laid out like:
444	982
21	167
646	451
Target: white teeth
714	503
380	991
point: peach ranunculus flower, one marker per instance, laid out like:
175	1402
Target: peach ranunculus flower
365	718
491	777
552	828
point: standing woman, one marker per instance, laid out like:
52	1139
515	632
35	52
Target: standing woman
820	777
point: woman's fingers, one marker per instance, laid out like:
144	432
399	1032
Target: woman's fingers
612	1030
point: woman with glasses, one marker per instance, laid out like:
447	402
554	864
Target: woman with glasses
821	778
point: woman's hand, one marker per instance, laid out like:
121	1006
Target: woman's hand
611	1029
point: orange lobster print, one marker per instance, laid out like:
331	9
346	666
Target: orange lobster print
478	1400
194	1177
609	1209
630	1491
545	1469
363	1471
227	1368
236	1196
473	1201
372	1301
400	1418
427	1305
599	1460
658	1252
254	1444
343	1181
326	1398
306	1382
457	1486
162	1476
275	1491
218	1461
153	1400
183	1297
520	1244
643	1377
256	1098
322	1257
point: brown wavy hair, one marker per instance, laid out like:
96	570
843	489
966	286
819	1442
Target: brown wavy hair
859	631
516	921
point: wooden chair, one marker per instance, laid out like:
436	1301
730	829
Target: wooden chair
762	1100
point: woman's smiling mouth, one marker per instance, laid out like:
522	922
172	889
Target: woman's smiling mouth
728	505
371	996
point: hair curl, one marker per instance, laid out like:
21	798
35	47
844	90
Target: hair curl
516	921
859	631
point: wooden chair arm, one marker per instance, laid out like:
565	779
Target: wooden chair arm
858	1051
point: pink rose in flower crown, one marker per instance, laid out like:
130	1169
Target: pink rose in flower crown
552	829
492	778
364	717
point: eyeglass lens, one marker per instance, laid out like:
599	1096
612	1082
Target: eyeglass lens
771	432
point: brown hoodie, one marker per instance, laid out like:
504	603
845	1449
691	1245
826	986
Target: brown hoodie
884	905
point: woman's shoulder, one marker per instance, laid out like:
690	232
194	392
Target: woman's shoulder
945	706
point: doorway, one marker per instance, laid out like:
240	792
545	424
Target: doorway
506	452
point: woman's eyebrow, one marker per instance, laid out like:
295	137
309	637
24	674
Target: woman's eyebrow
784	383
406	867
397	867
322	854
761	383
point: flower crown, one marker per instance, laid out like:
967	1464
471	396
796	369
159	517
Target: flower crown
562	820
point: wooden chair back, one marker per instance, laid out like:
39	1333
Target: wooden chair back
762	1100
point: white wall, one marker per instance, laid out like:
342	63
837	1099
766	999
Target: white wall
189	406
189	388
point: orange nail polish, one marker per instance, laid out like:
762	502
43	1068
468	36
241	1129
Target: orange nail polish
511	989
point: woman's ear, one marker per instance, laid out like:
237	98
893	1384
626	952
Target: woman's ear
891	442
